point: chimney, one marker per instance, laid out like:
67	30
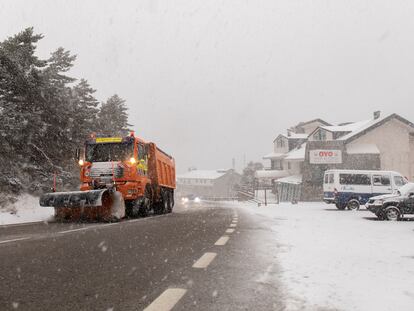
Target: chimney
377	114
289	132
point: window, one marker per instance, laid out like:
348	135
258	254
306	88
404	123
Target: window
381	180
280	143
354	179
140	151
399	181
278	165
109	152
320	135
329	179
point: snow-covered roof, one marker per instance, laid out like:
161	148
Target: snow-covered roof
271	174
293	179
298	136
355	129
297	154
274	155
203	174
362	149
292	135
363	127
350	127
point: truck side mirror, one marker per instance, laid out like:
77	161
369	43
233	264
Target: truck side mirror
77	154
411	194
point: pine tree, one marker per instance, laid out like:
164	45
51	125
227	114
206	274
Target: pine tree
85	109
113	117
21	105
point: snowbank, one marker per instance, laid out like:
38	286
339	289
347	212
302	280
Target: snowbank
26	209
342	260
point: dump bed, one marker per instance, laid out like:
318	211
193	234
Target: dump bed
161	167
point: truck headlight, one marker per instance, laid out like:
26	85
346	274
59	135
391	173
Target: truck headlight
378	202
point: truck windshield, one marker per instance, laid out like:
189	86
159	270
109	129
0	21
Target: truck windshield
109	152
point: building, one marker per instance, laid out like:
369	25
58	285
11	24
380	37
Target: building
385	143
379	143
213	184
286	160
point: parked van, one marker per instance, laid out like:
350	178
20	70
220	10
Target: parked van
351	188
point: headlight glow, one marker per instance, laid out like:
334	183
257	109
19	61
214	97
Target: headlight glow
132	160
81	162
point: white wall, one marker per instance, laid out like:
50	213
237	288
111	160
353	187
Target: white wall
412	156
392	140
294	167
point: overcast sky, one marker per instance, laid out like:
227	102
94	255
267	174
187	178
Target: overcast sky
209	81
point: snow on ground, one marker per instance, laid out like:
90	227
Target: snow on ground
342	260
27	210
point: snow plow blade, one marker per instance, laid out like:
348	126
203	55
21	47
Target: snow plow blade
95	205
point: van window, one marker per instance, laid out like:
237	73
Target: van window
354	179
399	181
381	180
326	178
331	178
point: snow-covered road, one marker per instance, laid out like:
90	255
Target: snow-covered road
342	260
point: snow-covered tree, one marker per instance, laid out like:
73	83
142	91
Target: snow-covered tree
45	116
113	117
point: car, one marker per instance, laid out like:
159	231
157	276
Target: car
190	198
393	207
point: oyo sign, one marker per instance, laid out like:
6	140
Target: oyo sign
325	156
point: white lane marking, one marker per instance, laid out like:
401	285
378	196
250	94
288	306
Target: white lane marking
14	240
141	219
167	300
204	260
75	230
229	230
222	241
233	225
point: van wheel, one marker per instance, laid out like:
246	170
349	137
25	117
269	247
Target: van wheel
392	213
353	205
340	206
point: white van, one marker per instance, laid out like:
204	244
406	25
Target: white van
351	188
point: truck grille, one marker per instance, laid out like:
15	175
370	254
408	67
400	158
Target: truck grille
105	170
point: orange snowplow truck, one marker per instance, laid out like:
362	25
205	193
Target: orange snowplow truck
120	176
